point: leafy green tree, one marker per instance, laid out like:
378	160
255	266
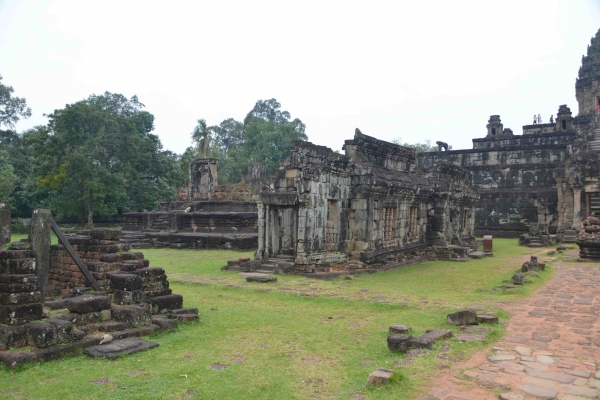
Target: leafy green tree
265	137
99	157
11	108
8	179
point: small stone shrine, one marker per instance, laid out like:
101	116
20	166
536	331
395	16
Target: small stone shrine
47	303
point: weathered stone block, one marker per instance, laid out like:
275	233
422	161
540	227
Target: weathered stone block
18	278
106	234
380	377
163	304
6	335
398	342
402	329
41	335
123	297
465	317
18	287
120	347
20	298
132	316
88	303
64	330
20	314
125	282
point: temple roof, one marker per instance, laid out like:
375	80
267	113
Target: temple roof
590	64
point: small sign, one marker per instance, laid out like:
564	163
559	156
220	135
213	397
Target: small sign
487	243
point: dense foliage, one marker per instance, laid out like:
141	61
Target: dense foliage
99	157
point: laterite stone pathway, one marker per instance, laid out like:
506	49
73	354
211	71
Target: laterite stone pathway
551	349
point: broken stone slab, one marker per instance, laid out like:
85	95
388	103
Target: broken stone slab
470	337
398	342
184	311
427	340
261	279
538	391
534	365
399	329
465	317
183	317
119	347
487	319
379	377
477	255
474	329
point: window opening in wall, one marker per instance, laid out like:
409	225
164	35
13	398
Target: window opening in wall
412	226
564	123
389	223
598	101
465	224
493	131
333	222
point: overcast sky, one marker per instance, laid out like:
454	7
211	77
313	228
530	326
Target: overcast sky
416	70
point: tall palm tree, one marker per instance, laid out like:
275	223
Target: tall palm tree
201	136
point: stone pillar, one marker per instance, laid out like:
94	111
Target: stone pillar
267	230
261	230
4	228
577	208
41	225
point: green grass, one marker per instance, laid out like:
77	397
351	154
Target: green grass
299	338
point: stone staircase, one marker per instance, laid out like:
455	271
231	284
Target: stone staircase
160	223
272	264
595	143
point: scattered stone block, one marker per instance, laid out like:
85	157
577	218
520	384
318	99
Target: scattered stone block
477	255
399	329
184	311
398	342
380	377
427	340
465	317
119	347
88	304
106	234
518	279
512	396
524	351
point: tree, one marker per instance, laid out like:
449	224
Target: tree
8	179
201	136
99	157
11	108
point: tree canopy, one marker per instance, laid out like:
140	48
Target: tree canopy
265	137
11	108
99	157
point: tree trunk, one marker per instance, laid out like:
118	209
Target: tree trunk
90	216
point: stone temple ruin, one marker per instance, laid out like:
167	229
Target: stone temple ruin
58	299
544	182
371	208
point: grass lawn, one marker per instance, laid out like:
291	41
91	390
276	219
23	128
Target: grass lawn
297	338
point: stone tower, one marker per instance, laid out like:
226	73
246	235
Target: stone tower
587	85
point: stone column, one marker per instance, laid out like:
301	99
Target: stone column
41	225
577	208
4	228
261	230
267	230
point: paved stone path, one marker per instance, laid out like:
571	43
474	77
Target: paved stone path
551	349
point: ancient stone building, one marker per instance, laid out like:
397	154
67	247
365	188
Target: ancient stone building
544	181
368	207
